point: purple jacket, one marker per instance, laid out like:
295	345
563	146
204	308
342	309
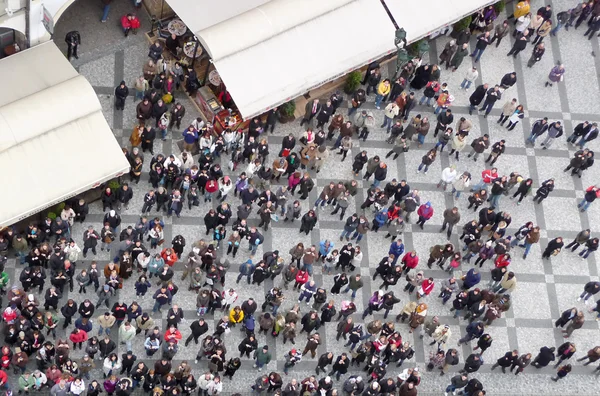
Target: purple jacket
556	73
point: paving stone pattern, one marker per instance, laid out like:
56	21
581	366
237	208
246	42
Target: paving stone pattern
545	288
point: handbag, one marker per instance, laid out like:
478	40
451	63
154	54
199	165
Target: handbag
161	242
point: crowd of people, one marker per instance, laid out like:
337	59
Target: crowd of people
142	259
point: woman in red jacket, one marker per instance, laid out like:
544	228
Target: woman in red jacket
425	213
301	278
503	260
78	337
169	256
410	261
426	288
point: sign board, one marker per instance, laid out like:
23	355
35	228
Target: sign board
48	21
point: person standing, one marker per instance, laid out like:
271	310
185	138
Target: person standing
553	248
555	130
451	218
500	31
73	39
562	372
591	193
105	10
310	111
557	74
538	129
492	96
497	150
470	78
536	55
593	27
542	31
483	40
477	97
519	45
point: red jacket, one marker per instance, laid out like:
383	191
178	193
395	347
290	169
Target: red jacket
427	286
211	186
409	261
172	336
3	377
170	259
130	24
425	212
394	213
302	277
487	176
502	261
80	336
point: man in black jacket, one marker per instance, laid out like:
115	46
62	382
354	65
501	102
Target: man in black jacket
493	95
73	39
477	97
443	121
198	327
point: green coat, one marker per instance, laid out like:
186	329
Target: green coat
262	357
458	58
26	383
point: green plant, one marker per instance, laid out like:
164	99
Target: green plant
352	82
463	23
114	185
59	208
418	47
499	7
51	216
288	108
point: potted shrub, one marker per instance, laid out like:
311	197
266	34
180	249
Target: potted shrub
51	216
352	82
461	25
499	7
286	112
114	185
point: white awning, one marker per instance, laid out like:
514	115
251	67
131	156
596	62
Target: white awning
284	48
54	140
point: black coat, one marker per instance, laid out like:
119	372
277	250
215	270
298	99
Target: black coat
477	95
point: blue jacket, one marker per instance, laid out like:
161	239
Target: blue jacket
322	250
247	268
396	249
381	217
472	278
473	330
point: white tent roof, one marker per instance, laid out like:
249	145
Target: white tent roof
283	48
54	140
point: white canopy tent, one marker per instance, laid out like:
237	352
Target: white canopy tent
54	140
281	49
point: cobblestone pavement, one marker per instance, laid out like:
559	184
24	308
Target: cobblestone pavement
545	288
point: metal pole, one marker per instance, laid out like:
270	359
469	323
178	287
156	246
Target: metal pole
162	6
387	10
195	51
27	23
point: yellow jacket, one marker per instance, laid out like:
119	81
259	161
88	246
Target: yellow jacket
232	316
383	89
521	9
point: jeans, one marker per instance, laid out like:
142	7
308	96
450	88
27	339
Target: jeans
450	388
21	256
376	182
494	201
207	196
105	12
584	205
548	141
584	253
252	247
157	306
387	121
454	190
477	54
581	143
357	235
139	95
479	186
527	248
378	99
487	106
572	139
107	331
421	167
532	138
466	84
320	201
421	138
423	99
585	295
438	110
353	292
345	234
556	28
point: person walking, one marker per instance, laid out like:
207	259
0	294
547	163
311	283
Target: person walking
557	74
509	359
591	193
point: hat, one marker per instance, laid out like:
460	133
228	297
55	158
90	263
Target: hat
358	379
266	348
428	204
293	351
106	287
